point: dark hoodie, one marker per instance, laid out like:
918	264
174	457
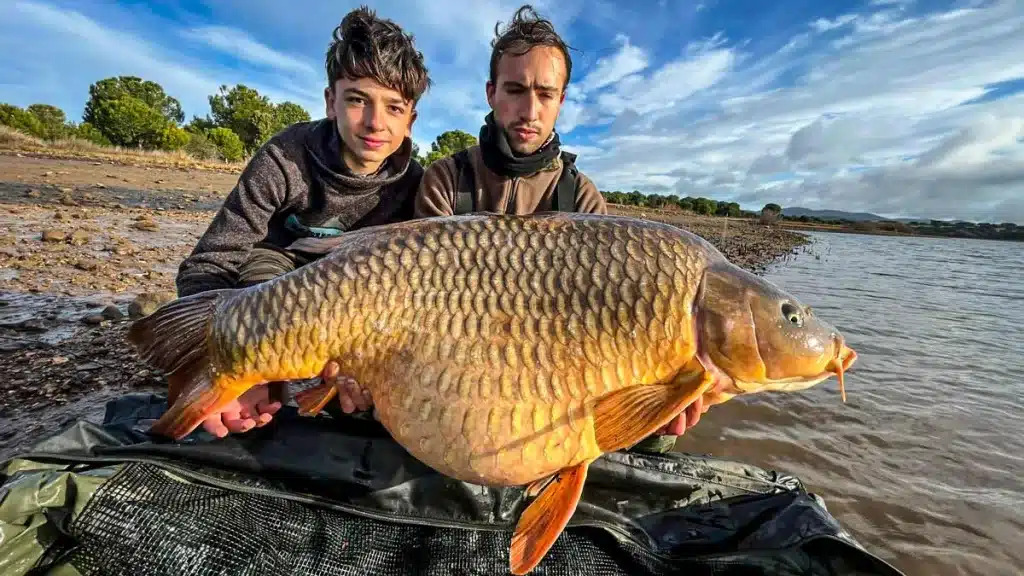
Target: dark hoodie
299	172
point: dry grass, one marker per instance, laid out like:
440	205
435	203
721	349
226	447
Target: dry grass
13	141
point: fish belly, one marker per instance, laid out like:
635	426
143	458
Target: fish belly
495	441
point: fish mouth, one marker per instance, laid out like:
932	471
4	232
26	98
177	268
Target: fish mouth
837	366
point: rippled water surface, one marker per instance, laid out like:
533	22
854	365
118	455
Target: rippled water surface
924	464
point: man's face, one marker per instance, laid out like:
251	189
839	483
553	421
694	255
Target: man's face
372	121
527	96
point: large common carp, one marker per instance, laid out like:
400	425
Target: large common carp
501	350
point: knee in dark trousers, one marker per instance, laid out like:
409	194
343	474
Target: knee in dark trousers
655	444
266	263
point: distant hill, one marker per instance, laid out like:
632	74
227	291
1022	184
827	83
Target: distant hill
833	215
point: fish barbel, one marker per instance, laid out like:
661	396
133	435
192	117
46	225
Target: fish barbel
498	349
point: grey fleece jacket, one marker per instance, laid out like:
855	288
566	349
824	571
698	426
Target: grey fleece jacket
298	171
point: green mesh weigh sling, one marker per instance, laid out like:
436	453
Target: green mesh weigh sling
322	496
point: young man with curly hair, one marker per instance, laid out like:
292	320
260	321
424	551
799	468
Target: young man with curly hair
352	169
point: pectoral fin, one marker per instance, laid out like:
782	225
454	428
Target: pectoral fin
627	416
545	518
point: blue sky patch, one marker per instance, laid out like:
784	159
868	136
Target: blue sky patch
727	99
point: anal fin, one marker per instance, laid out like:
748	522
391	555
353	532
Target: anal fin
545	518
627	416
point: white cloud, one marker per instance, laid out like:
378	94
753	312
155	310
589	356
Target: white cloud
626	61
63	51
824	24
899	3
865	112
702	66
241	45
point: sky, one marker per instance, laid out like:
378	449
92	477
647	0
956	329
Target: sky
910	108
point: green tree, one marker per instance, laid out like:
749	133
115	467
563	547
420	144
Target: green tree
615	197
201	147
636	198
20	119
770	212
252	116
288	113
228	143
705	206
129	121
730	209
130	111
52	120
87	131
150	93
656	201
243	111
447	143
200	125
175	138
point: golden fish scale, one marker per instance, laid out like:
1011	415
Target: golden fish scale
482	341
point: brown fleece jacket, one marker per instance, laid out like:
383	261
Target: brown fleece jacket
497	193
300	172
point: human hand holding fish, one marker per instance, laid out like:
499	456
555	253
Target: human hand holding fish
255	408
351	395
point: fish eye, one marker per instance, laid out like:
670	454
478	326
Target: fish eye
792	314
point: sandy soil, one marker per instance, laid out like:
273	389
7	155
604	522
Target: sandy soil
87	245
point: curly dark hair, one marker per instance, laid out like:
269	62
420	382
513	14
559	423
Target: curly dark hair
365	46
526	31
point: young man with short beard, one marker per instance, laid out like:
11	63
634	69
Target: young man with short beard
314	179
518	167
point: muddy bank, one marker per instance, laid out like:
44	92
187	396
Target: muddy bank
85	246
745	242
26	180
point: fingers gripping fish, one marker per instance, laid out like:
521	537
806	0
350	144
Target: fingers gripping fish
501	350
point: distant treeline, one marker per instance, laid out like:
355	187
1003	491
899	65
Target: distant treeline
702	206
958	229
772	213
130	112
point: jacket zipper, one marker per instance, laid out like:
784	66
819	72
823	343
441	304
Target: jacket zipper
511	195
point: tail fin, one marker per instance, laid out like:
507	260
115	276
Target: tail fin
174	339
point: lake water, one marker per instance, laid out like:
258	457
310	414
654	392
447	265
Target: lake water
924	464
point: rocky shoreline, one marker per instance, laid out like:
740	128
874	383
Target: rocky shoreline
89	245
